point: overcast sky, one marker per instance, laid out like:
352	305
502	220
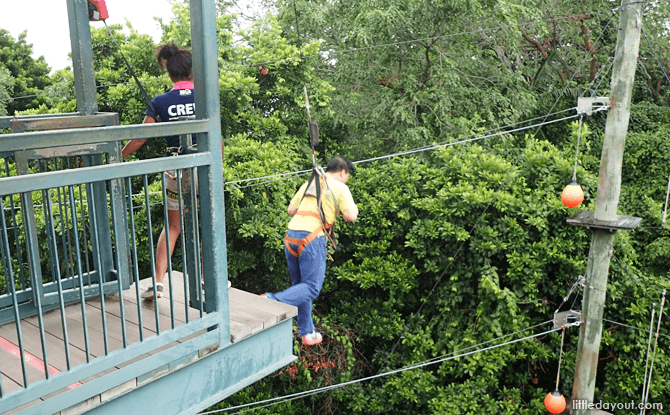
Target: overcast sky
49	33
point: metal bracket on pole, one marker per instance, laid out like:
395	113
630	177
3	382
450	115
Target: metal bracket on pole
567	318
585	104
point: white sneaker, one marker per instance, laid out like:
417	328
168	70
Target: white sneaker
148	294
312	338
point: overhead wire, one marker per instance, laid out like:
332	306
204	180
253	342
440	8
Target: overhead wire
631	327
466	139
579	282
288	398
544	323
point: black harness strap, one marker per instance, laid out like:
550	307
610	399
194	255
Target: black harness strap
316	179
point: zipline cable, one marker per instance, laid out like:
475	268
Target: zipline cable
404	153
488	341
300	172
579	282
318	177
287	398
595	90
616	323
560	359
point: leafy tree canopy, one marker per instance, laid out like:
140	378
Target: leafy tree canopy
31	76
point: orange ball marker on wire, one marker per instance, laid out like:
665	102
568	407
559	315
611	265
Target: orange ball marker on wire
554	402
572	195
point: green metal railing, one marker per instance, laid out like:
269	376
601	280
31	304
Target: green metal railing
70	232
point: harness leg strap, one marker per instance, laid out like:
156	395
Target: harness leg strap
302	243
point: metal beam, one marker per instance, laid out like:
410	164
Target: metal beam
79	136
62	178
210	379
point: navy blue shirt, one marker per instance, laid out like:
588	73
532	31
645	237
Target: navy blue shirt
179	102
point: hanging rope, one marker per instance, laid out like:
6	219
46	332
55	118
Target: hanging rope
579	136
313	128
560	358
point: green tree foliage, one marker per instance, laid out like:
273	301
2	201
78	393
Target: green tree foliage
31	76
457	247
6	84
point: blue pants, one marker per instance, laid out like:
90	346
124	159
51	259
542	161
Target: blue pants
307	273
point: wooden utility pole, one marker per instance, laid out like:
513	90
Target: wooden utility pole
609	187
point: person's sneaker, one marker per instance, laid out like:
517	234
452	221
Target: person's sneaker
270	296
148	294
312	338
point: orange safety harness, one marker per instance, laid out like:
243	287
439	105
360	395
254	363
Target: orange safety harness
302	243
326	227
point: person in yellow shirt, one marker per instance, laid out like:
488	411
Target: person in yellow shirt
305	242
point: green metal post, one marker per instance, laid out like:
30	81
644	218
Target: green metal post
210	178
609	187
82	57
87	104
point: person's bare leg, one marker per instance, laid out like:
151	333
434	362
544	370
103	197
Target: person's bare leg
161	251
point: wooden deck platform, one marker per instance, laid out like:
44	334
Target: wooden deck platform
249	314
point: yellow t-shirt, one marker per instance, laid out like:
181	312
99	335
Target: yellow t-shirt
309	223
